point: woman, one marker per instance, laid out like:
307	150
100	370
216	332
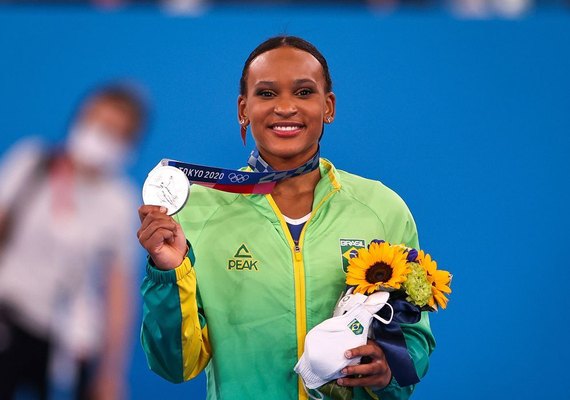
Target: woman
259	271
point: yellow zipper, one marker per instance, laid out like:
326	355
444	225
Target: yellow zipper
299	274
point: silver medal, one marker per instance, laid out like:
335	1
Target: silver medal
166	186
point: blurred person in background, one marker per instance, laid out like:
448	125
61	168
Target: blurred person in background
481	9
66	248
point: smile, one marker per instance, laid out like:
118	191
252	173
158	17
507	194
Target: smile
286	129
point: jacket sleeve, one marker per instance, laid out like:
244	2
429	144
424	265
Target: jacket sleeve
419	338
174	333
421	343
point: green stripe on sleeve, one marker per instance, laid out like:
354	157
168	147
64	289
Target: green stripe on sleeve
161	322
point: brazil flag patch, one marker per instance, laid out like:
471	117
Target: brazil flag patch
348	249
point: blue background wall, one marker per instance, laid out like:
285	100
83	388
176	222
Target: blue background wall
467	120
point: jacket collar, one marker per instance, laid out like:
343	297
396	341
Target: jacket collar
330	181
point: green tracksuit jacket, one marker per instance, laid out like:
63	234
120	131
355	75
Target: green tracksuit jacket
243	300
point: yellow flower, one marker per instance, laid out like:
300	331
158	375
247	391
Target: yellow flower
439	280
381	266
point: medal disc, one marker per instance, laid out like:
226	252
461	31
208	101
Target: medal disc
168	187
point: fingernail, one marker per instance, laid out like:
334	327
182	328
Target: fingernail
348	354
344	371
163	210
339	381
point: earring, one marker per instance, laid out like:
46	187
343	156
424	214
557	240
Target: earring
329	119
243	130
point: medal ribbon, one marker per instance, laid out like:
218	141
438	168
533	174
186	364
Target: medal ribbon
393	342
260	181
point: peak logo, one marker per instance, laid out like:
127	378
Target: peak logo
242	260
242	252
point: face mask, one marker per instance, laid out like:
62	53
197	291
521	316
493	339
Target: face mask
327	342
92	146
373	303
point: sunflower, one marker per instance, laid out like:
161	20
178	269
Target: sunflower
380	267
439	280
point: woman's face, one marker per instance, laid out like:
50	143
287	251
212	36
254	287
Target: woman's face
286	105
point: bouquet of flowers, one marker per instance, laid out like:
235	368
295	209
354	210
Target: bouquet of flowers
403	271
411	282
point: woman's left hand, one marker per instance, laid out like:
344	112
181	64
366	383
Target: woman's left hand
375	374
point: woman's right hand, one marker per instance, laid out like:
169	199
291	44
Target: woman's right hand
162	237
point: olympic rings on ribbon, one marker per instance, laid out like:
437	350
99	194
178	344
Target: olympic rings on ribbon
238	178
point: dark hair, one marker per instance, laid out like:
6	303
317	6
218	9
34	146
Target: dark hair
285	41
128	97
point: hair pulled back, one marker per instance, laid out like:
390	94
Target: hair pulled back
285	41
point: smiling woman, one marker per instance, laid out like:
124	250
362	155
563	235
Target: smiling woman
247	326
286	97
286	101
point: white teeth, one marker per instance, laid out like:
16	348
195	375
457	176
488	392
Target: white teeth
285	128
